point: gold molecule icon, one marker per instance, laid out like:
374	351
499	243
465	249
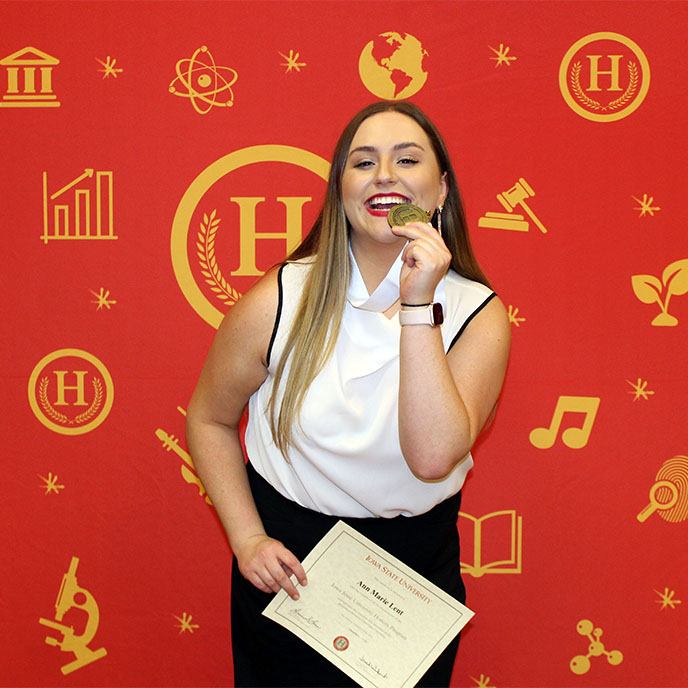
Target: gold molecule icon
580	664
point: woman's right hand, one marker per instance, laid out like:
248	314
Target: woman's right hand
269	565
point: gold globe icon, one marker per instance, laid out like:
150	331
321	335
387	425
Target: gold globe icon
391	66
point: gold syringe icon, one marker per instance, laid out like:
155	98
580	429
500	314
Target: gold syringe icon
171	443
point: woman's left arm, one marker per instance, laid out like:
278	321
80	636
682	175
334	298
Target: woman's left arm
445	400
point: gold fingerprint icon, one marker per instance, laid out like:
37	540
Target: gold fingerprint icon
669	492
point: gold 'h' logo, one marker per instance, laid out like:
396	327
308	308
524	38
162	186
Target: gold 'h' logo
618	76
69	397
62	387
208	273
595	72
248	236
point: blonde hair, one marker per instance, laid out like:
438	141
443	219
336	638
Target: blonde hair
315	329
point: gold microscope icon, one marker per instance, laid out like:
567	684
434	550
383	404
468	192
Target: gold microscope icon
70	596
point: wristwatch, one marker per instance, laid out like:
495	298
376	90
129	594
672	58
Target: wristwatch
427	314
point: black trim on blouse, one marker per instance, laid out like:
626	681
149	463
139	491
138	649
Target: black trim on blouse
470	317
279	312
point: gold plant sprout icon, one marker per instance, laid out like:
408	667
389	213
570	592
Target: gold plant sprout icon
649	289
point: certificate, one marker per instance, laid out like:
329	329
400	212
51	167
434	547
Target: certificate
368	613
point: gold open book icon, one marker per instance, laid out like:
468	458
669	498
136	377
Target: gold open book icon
491	543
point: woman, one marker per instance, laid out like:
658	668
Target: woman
360	406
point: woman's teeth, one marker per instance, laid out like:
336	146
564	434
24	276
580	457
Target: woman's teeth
386	202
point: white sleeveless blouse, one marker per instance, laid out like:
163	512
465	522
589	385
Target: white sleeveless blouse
347	461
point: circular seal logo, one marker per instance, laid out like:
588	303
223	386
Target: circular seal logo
70	391
604	76
391	66
240	216
340	643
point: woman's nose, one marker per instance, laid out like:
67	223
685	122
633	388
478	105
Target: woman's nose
385	172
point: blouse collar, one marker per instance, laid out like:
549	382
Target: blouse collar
387	291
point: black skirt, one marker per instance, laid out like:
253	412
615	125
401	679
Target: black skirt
268	655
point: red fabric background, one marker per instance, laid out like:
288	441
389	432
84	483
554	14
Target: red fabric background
149	548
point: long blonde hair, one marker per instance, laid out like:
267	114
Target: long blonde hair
318	318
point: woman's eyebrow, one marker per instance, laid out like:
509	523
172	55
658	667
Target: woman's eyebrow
398	146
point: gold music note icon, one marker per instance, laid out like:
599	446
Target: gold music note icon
575	438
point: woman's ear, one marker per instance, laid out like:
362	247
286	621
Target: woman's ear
444	188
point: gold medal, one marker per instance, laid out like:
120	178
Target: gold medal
404	213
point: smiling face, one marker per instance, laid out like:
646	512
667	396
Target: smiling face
390	161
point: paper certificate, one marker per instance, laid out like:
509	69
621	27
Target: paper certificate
368	613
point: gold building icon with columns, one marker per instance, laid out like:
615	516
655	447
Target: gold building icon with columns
29	79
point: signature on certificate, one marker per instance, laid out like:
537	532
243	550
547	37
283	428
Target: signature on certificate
373	666
307	619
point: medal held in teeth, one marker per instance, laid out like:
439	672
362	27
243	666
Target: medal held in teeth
404	213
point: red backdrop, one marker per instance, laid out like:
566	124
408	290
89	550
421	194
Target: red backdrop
146	146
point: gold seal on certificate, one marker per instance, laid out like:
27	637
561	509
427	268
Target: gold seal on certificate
368	613
402	214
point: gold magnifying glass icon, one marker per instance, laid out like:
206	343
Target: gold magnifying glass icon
655	504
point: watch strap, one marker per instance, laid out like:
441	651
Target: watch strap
431	314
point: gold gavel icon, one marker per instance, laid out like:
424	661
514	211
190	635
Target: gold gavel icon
517	195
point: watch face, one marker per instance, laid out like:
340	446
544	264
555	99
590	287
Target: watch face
437	314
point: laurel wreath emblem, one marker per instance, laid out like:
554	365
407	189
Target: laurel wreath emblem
53	413
593	104
206	258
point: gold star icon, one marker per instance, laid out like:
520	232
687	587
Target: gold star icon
667	599
502	55
109	66
292	62
104	300
639	389
185	623
50	484
513	313
482	682
646	206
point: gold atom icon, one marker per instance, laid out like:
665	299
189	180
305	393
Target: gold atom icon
205	84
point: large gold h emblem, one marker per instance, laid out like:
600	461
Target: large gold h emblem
595	72
62	387
248	236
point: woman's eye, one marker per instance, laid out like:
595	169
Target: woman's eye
363	163
408	161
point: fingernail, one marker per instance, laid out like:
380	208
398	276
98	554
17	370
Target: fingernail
295	596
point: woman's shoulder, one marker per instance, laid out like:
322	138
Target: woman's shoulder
254	312
469	301
459	284
464	295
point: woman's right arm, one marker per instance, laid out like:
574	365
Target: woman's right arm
235	367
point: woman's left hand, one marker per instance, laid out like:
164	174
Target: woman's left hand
426	260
